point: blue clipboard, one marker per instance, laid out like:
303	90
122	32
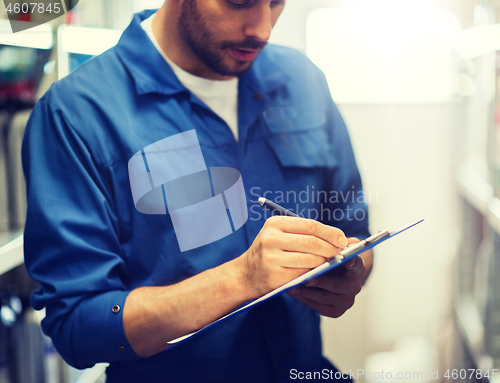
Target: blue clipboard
345	256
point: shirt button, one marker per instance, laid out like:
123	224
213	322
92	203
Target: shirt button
116	309
122	348
258	96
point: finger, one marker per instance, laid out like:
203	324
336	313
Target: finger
324	297
336	284
355	268
342	269
308	244
295	260
295	225
332	311
352	240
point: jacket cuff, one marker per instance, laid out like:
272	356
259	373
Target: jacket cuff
99	335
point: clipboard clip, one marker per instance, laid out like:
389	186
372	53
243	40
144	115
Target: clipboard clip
375	237
365	242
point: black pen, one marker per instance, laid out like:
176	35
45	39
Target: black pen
275	208
280	210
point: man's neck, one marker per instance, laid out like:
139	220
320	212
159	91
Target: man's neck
165	29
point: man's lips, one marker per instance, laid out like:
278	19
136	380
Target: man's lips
244	54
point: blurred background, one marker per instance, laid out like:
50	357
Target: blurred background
418	84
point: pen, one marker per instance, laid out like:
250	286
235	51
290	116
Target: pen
275	208
280	210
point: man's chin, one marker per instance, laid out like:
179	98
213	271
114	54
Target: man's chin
239	68
230	67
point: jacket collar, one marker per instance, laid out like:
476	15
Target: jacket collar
152	74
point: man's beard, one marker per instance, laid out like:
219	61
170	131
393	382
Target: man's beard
193	29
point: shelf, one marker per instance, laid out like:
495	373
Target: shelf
474	188
11	251
472	332
493	214
479	193
11	256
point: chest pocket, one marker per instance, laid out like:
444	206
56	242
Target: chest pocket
299	138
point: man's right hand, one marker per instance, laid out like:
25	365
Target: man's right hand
285	248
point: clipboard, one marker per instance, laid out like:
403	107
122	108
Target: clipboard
345	256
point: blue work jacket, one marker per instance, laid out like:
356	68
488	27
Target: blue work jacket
88	246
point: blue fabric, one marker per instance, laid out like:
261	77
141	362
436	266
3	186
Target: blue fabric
89	247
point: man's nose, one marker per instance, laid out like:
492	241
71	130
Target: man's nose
259	23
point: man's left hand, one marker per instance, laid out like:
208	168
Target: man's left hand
332	295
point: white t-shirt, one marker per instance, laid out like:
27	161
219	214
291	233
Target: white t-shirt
220	96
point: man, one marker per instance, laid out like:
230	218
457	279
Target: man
115	284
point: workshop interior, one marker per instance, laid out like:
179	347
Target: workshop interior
418	85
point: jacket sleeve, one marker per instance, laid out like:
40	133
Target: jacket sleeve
71	243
